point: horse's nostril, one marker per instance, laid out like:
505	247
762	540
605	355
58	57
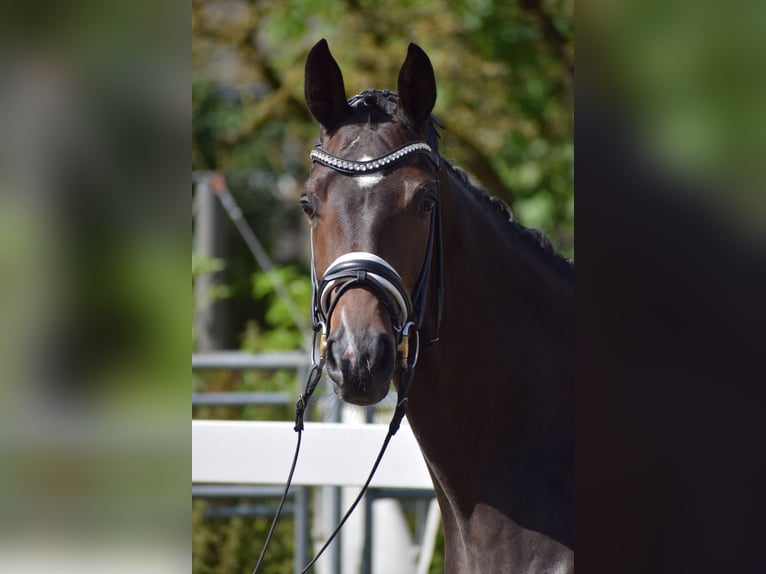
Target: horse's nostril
379	349
370	357
329	352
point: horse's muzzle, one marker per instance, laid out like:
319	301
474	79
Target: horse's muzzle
361	366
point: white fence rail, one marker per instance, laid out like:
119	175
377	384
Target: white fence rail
250	452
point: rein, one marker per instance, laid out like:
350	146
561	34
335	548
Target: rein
371	272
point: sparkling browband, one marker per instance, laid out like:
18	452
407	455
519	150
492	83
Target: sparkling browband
354	167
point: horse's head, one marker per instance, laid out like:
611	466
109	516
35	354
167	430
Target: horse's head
371	216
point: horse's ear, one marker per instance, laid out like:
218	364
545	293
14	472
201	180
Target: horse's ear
417	86
323	86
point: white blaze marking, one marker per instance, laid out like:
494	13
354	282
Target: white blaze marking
369	179
351	352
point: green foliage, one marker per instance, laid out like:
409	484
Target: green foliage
202	265
232	545
280	331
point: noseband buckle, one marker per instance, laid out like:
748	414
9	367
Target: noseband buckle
322	344
404	346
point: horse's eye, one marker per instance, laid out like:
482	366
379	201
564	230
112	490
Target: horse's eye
428	205
307	208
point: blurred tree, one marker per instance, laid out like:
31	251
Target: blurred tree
504	72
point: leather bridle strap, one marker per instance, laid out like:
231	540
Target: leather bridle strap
371	272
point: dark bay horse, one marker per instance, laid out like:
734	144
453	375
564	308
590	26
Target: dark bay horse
408	257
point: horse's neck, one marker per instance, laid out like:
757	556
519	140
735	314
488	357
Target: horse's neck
491	401
508	312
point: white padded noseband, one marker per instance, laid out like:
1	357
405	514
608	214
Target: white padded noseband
324	296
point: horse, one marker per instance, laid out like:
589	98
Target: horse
416	271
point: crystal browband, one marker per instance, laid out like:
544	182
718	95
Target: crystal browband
382	162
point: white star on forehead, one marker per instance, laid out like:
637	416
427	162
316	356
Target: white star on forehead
368	180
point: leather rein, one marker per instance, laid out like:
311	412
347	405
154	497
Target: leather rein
373	273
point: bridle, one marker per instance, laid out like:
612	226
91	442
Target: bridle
367	270
370	272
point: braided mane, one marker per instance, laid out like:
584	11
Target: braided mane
386	101
531	235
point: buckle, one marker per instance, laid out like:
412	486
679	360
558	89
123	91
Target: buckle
404	346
